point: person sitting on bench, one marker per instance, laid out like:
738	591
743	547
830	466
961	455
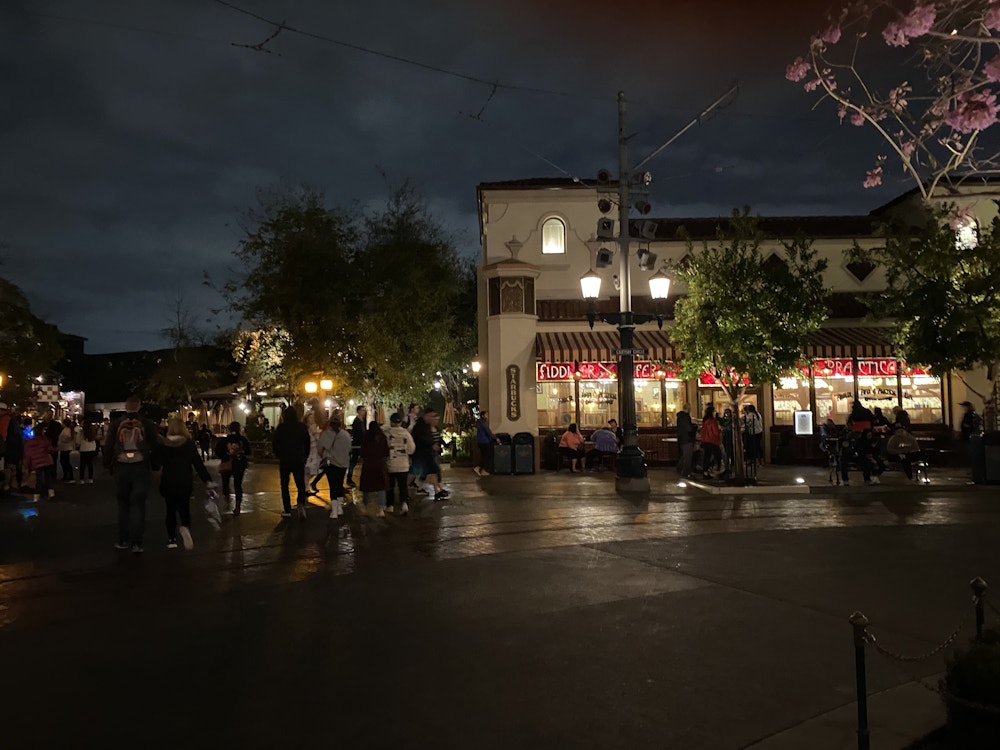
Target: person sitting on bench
904	448
571	447
605	443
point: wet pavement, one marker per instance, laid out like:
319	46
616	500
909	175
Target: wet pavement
525	612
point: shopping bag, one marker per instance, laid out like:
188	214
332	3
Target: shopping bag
212	509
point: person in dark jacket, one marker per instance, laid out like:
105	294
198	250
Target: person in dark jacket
178	456
359	428
291	445
685	440
129	454
425	456
233	452
14	451
485	440
205	441
374	475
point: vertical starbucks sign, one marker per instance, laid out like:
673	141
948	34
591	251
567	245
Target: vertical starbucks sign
513	392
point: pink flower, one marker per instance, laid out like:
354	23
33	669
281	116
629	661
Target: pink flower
831	35
973	111
812	85
873	178
908	148
991	19
897	96
916	23
842	111
857	119
992	69
798	70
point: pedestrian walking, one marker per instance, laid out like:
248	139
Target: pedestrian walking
685	441
726	428
101	435
39	458
65	444
335	452
485	440
315	424
129	456
291	446
178	456
205	437
374	473
425	455
234	453
412	415
88	449
401	447
359	428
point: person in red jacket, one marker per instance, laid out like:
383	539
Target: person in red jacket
711	442
38	452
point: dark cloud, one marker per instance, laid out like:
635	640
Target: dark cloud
134	135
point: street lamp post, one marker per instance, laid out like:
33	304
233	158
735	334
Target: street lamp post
631	466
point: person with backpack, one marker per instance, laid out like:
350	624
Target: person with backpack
129	456
178	456
233	452
753	435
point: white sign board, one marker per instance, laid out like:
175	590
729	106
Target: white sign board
803	423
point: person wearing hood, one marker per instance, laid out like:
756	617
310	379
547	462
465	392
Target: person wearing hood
178	455
291	445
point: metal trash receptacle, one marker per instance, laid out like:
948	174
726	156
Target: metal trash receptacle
503	455
524	453
991	457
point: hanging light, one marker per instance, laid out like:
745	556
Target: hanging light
590	285
659	285
326	385
311	387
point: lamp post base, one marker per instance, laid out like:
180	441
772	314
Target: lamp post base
631	473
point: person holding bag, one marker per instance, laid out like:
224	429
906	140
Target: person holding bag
233	452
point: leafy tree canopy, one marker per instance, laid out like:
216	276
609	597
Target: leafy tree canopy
28	345
944	295
743	316
377	302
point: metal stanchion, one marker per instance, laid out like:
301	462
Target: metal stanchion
860	624
979	599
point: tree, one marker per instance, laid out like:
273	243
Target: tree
930	93
292	293
28	346
378	302
745	317
945	297
923	75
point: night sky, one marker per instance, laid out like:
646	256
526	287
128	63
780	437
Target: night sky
133	135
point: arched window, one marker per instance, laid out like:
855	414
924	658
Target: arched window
553	237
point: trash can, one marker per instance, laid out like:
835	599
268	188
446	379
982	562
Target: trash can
991	457
976	452
503	459
524	453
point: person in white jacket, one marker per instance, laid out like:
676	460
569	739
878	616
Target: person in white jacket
335	453
401	447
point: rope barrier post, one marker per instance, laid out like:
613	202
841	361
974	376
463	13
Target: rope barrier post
979	599
860	624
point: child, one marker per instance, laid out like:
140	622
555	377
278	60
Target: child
38	458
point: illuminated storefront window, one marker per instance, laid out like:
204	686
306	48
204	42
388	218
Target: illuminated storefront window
710	391
656	394
878	385
791	396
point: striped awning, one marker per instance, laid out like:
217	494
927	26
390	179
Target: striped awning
849	342
598	346
576	346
